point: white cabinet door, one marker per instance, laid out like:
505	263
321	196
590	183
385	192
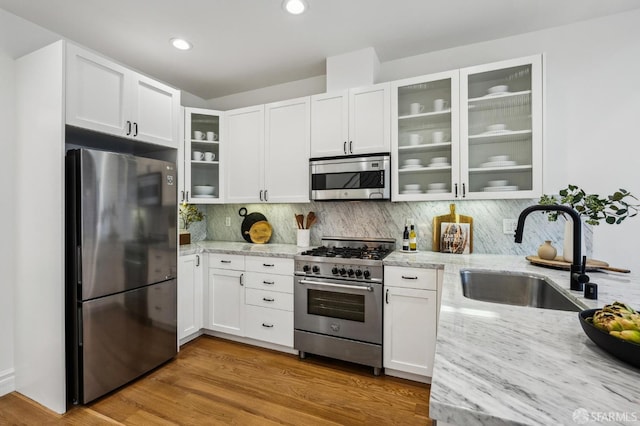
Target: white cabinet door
244	163
287	134
190	290
96	93
409	330
329	124
203	156
156	112
226	301
369	119
501	129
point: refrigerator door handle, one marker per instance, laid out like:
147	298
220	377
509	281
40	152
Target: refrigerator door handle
78	265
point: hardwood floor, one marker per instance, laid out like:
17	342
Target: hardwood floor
216	381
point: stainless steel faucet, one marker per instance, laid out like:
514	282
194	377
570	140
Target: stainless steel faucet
578	266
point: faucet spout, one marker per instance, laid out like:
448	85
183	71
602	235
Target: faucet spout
578	276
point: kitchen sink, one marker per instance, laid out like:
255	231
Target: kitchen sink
515	288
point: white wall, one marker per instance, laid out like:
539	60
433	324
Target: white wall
8	219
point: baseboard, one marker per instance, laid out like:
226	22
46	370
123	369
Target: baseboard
190	337
7	381
408	376
252	342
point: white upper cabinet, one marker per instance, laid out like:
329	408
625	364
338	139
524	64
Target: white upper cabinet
203	156
109	98
501	129
474	133
268	153
425	137
286	154
245	154
355	121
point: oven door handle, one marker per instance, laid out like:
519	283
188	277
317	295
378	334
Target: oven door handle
350	287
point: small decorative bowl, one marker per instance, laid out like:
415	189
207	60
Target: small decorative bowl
628	352
502	88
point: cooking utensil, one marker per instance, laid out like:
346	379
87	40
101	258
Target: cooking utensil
311	219
248	222
560	263
300	220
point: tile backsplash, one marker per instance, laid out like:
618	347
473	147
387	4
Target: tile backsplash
386	219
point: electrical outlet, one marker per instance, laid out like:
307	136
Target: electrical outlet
227	221
509	226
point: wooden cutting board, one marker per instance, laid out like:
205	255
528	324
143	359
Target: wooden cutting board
560	263
452	218
260	232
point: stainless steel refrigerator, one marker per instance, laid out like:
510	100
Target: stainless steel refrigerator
121	266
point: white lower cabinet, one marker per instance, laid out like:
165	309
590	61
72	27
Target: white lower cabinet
190	295
269	299
410	319
226	294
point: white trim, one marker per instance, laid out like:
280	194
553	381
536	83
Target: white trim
7	381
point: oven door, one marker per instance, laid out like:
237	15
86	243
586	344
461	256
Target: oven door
339	308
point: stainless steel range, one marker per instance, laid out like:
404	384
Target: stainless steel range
338	299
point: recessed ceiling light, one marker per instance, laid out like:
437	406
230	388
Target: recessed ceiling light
181	44
294	7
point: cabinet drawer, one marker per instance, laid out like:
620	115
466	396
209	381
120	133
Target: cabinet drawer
419	278
269	299
226	261
271	265
281	283
269	325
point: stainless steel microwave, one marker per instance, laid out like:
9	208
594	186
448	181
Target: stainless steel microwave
351	177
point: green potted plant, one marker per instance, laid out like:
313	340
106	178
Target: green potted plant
612	209
189	214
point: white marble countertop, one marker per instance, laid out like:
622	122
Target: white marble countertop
509	365
243	248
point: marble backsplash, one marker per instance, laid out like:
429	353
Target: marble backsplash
386	220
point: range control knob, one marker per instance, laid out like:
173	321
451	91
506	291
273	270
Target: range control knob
306	268
358	273
350	272
334	270
315	269
343	271
367	274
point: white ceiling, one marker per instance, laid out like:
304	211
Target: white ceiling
242	45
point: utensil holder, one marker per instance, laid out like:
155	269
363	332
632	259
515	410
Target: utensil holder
303	237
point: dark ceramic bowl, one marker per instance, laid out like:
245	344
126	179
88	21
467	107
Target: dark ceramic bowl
628	352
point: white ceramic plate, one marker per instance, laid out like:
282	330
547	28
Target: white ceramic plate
501	188
409	251
417	191
204	196
412	167
439	165
499	164
437	191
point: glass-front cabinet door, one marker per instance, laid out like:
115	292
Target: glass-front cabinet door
202	156
501	129
425	137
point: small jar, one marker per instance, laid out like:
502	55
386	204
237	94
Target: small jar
546	251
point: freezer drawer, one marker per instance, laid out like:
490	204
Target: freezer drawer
124	336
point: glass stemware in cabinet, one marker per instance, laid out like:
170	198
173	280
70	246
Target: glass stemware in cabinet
425	136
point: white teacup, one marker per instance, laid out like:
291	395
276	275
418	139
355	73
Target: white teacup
440	105
212	136
197	134
439	160
197	155
415	139
437	137
209	156
416	108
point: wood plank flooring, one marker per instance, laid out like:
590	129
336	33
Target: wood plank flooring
216	381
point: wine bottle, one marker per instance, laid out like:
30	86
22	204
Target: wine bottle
413	241
405	239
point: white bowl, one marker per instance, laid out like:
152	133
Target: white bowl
412	187
498	158
439	160
502	182
498	89
204	189
412	162
437	185
496	127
